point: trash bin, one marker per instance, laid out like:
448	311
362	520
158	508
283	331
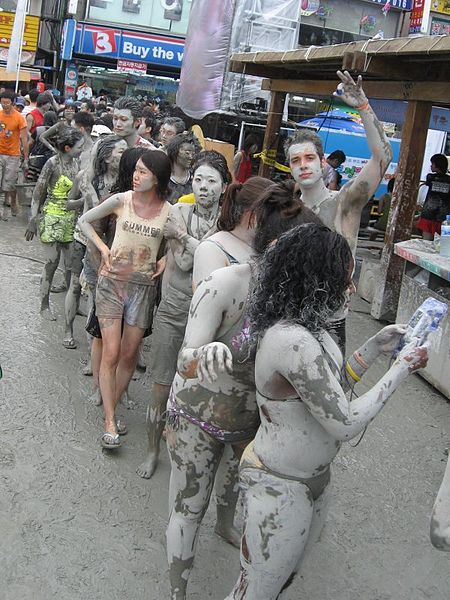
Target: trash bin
25	193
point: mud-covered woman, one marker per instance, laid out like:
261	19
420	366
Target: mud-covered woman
57	222
212	404
185	228
126	287
91	186
304	410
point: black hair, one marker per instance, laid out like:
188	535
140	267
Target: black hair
390	185
90	105
85	120
440	162
213	159
276	211
302	279
175	122
131	104
339	154
104	150
239	198
34	93
68	137
150	121
303	136
250	140
8	95
44	98
50	118
158	163
173	147
127	164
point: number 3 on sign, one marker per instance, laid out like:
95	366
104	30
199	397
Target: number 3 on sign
104	42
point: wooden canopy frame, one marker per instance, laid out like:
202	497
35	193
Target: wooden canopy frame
415	70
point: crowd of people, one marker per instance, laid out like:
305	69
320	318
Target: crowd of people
244	286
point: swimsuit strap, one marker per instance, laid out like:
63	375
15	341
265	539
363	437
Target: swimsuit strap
231	258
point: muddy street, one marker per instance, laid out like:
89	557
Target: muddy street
77	522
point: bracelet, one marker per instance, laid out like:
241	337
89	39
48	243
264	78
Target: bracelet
364	106
351	372
359	359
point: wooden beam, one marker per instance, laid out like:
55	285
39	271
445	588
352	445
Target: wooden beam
385	68
272	132
384	90
403	206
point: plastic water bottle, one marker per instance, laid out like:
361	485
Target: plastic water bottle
445	237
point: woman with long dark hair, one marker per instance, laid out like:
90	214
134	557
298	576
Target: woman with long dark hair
304	278
126	285
212	405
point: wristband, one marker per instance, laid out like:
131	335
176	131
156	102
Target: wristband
351	372
364	106
359	359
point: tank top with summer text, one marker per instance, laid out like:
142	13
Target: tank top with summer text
136	244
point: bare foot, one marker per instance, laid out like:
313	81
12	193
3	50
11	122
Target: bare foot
229	534
69	343
57	289
96	397
47	314
127	402
148	467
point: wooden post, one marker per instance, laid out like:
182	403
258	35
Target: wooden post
272	133
403	206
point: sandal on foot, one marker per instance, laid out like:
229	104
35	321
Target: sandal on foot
121	426
111	441
69	343
57	289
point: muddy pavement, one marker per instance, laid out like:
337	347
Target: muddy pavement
77	523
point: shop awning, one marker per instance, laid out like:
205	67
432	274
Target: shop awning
24	75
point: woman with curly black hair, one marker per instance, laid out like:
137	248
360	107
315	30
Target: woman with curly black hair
305	416
212	405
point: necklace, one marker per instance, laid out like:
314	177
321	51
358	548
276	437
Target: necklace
240	239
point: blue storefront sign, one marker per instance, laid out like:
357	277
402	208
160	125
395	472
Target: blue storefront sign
153	49
400	4
68	38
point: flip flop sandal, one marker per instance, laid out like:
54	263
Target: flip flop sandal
69	344
121	426
110	441
57	289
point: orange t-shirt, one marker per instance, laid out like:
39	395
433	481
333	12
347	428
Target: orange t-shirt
10	126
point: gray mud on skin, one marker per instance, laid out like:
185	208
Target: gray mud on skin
79	524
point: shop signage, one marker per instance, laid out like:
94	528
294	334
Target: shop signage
70	80
439	27
309	7
68	38
394	111
400	4
30	34
131	66
129	45
441	6
419	16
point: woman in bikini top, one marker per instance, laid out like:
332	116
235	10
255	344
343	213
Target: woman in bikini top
305	414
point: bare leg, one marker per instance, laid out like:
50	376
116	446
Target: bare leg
440	518
71	304
51	264
194	457
11	199
129	347
226	488
96	358
279	514
155	426
111	335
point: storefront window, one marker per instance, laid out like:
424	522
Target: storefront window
167	15
345	21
